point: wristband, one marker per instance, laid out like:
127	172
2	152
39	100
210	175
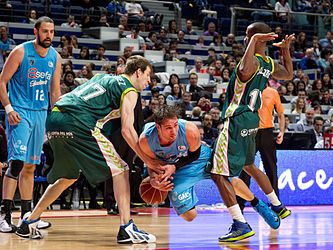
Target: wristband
9	108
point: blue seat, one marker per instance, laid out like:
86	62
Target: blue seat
221	10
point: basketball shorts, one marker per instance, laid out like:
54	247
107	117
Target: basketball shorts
77	148
235	146
25	140
183	197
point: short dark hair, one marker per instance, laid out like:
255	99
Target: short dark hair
166	112
136	62
43	19
318	118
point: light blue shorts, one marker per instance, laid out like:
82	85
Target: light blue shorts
183	197
25	140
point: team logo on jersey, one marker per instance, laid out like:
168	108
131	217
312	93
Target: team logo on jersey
50	64
181	148
31	62
174	196
244	132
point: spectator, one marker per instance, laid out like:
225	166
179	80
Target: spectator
308	61
180	37
186	104
173	79
100	54
74	42
205	104
210	133
216	115
123	21
142	27
232	65
32	17
151	39
86	22
106	68
70	22
148	111
329	68
301	42
121	60
317	131
299	107
225	75
163	36
326	80
172	28
317	85
127	52
317	108
116	9
218	67
68	83
155	92
200	42
211	71
282	90
316	47
230	40
4	36
121	29
135	35
323	61
161	100
188	30
326	100
221	100
327	41
143	103
196	113
176	94
103	21
193	87
198	66
301	94
217	41
65	41
307	123
211	30
66	52
320	144
311	7
84	53
86	73
66	66
291	90
283	10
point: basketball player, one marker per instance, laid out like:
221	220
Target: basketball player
31	70
177	143
235	146
77	129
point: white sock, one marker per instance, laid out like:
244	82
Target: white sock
236	213
273	199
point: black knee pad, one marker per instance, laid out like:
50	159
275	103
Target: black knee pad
14	169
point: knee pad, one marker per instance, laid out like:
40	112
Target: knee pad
14	169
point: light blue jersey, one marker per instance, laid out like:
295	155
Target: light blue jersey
182	197
28	93
29	86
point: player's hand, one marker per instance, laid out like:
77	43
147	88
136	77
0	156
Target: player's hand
284	44
163	185
279	138
168	171
155	165
260	37
14	118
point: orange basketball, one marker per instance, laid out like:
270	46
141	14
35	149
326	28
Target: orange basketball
150	194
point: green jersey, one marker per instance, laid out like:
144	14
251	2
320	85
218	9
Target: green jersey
97	102
245	97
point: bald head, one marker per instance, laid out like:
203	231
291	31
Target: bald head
259	28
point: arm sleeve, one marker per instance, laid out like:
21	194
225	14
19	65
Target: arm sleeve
191	157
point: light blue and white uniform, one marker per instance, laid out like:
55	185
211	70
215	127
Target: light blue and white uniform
28	93
182	197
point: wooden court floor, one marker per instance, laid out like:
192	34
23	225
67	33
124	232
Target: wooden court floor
307	228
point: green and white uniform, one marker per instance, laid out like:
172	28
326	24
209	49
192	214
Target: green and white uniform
78	126
235	145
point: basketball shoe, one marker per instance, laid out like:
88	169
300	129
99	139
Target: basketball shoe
28	229
281	211
271	218
130	234
6	225
238	231
40	225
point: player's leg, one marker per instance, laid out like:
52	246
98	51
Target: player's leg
266	186
122	195
259	206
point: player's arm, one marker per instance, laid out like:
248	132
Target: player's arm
249	63
129	133
281	118
55	84
12	64
284	71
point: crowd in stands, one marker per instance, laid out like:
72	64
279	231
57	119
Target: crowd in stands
308	102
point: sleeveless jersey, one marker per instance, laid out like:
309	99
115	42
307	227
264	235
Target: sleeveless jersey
168	154
29	86
97	102
244	97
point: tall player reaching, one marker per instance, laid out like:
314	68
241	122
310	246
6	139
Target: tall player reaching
31	70
235	146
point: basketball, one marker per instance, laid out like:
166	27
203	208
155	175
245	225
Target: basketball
150	194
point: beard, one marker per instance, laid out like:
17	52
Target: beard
42	43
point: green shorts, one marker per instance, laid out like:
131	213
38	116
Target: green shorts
235	146
77	148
